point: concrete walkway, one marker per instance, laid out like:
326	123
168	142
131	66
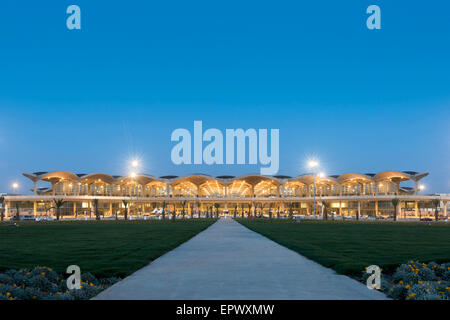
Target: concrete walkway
228	261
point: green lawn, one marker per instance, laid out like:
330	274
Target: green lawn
104	248
349	247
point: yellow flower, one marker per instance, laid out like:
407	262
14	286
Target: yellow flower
43	273
407	286
67	291
10	298
8	294
81	287
27	273
91	284
401	282
34	297
411	295
447	288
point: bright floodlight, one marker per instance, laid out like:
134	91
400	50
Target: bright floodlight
15	185
312	164
421	187
135	163
321	175
133	174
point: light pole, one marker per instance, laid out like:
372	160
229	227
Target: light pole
312	164
321	175
135	165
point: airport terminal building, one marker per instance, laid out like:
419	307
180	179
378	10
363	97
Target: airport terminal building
198	195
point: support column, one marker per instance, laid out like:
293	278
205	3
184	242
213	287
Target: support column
445	209
74	209
110	209
6	213
34	208
340	208
359	209
376	208
416	208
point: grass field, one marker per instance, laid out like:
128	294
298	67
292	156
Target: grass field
349	247
105	248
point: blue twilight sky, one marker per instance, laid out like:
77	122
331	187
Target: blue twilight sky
358	100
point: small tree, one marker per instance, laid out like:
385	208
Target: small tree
325	212
235	211
197	206
163	207
2	212
291	209
242	210
96	210
17	210
278	212
270	210
183	205
249	205
436	204
125	211
395	202
57	206
217	206
174	214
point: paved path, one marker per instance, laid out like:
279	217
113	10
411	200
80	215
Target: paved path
228	261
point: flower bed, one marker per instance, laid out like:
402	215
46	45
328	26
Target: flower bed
43	283
417	281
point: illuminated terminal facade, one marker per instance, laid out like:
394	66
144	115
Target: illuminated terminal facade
145	196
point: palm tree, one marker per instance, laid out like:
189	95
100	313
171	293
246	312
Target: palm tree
217	206
395	202
325	212
57	206
436	204
2	212
183	205
163	207
125	212
270	210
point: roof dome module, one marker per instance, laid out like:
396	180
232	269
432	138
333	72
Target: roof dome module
168	177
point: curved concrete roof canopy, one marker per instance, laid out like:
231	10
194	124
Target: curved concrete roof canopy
250	179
